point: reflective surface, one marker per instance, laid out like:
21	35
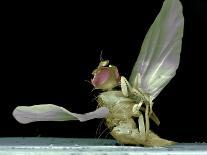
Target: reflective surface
66	146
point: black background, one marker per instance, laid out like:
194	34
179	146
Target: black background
49	51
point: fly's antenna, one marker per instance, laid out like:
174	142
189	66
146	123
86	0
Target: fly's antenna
101	55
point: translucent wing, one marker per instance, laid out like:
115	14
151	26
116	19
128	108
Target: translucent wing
50	112
160	52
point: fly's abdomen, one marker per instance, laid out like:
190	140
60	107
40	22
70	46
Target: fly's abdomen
121	122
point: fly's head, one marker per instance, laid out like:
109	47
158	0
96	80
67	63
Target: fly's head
105	76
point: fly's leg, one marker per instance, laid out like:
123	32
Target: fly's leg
127	133
136	113
126	90
136	109
142	128
147	119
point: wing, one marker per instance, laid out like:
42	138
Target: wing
160	52
50	112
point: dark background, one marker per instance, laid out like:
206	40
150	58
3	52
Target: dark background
49	51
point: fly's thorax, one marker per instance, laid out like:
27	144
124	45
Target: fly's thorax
120	107
114	98
109	98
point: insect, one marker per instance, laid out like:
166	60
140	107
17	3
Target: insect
155	67
132	100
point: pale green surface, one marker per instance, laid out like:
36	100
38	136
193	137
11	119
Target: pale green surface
69	146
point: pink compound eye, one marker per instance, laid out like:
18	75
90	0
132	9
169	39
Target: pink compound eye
101	77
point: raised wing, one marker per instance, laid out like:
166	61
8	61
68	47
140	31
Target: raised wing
51	112
160	52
